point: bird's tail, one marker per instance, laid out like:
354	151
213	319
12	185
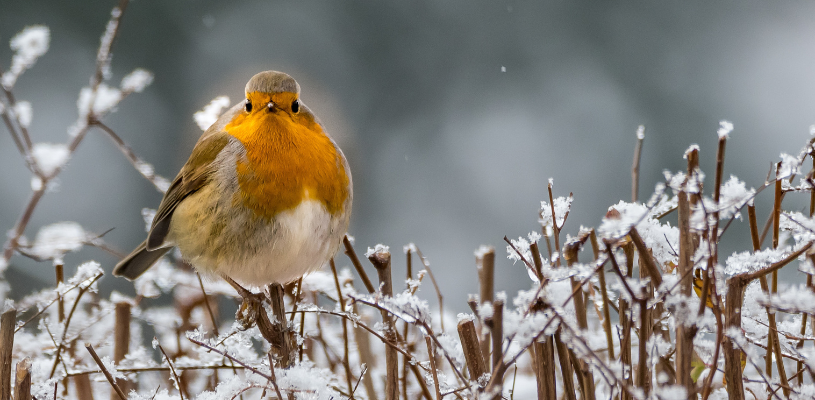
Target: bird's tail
132	266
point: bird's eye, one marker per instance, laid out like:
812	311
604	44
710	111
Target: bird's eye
295	106
248	106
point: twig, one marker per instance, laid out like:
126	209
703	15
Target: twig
635	168
341	301
433	370
61	344
172	370
274	378
439	296
158	182
105	371
209	308
352	255
361	374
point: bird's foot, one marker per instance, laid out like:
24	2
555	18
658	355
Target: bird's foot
251	306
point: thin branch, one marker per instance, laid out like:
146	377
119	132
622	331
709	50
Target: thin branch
172	370
106	372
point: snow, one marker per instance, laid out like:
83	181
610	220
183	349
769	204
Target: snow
50	156
148	214
662	239
746	262
562	207
53	241
104	100
725	127
111	367
790	165
23	112
795	299
690	149
210	113
28	45
523	246
483	250
137	80
733	196
378	249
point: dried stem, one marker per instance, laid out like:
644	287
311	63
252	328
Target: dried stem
341	301
472	353
685	334
431	355
121	336
172	370
212	317
7	322
565	368
485	264
22	385
382	262
635	168
61	344
545	368
352	255
601	275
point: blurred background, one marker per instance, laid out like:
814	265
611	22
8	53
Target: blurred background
453	114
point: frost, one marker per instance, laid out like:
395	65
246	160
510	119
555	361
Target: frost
801	227
792	300
104	100
562	207
725	127
111	367
619	224
482	250
662	239
465	317
148	214
789	166
745	262
28	45
209	114
137	80
85	271
378	249
733	196
523	246
49	156
23	112
641	132
54	240
36	183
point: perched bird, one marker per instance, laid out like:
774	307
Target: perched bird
264	198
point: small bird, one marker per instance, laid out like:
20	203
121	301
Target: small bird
265	196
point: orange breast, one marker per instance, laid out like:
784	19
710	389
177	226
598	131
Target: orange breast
288	159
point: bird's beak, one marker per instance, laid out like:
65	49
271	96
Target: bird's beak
270	105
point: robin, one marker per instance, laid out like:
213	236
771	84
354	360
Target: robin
264	198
